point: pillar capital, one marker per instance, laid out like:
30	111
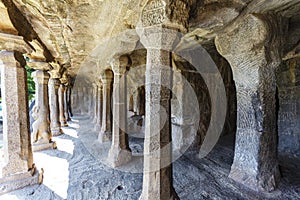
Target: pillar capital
54	74
120	64
41	76
107	76
157	37
39	65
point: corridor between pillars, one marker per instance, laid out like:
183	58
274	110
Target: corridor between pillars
105	132
119	152
254	58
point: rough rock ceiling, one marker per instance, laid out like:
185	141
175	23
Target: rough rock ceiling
70	33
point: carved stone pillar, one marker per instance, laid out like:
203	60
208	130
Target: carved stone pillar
66	105
95	106
119	152
85	102
16	135
253	58
62	94
141	101
105	132
91	101
54	84
42	136
80	102
157	180
100	106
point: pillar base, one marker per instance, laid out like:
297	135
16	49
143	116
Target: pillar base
18	181
104	136
64	124
45	146
174	196
266	183
97	127
118	157
56	131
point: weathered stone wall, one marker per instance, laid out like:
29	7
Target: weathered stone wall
288	83
200	88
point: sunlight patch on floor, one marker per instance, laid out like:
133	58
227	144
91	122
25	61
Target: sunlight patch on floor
56	172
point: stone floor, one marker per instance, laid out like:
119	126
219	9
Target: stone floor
77	170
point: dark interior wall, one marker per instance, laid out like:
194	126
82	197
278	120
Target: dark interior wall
288	83
197	82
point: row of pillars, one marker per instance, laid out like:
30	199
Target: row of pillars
51	110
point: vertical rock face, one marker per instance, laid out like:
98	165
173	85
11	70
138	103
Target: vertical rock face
253	58
288	79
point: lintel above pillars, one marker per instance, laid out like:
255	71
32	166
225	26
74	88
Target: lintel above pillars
14	43
39	65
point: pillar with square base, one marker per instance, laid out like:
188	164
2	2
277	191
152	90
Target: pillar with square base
18	158
119	152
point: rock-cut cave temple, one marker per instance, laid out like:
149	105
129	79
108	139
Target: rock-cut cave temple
150	99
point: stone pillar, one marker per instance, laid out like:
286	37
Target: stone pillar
16	135
131	104
253	55
141	101
84	105
100	106
80	102
61	93
119	152
95	99
54	84
105	132
157	180
42	136
66	105
69	101
91	101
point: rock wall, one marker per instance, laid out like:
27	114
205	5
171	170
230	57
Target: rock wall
288	83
